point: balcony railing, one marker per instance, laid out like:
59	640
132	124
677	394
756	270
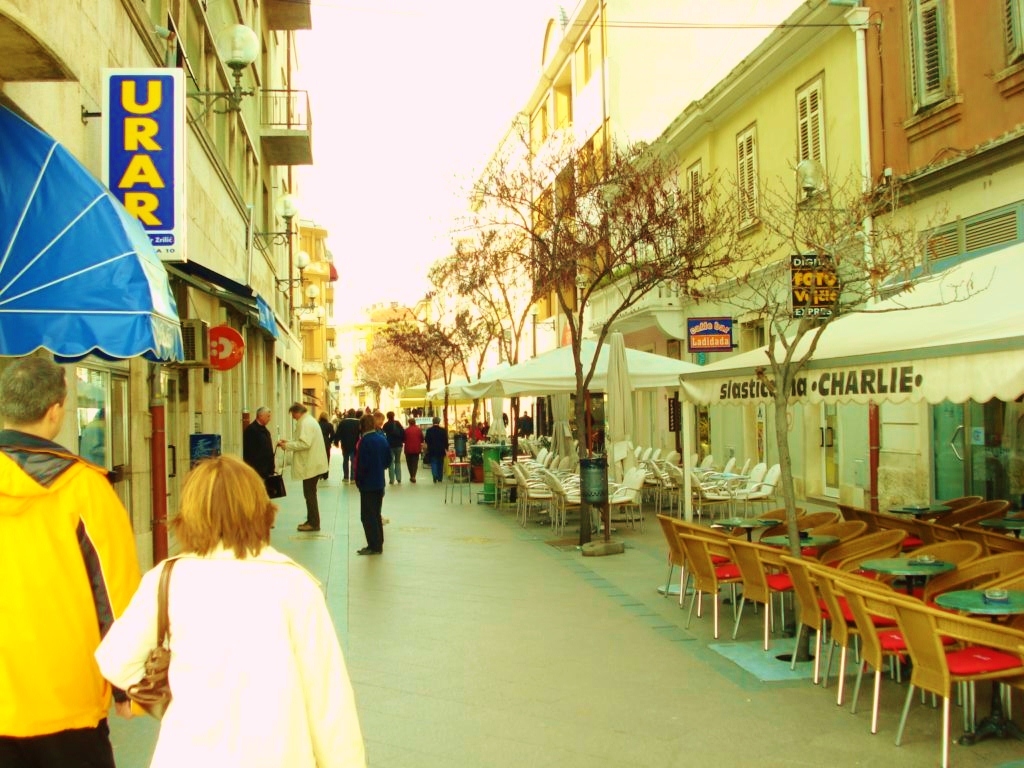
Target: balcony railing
286	123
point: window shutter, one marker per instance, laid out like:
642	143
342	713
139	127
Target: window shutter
928	54
1013	29
810	124
746	175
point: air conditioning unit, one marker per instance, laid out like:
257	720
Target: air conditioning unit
195	340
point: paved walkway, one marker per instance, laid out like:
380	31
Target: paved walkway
473	642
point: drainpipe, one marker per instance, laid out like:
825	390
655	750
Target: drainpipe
158	462
857	18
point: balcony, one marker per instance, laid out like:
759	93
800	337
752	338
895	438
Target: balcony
288	14
26	58
286	128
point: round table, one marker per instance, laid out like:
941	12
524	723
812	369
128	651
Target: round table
908	567
748	523
974	601
1015	524
805	541
921	510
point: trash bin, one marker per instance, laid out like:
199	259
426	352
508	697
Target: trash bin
594	480
461	442
490	453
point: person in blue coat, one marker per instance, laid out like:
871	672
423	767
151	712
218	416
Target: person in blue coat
373	457
436	438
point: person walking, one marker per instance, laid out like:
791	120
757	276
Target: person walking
372	456
437	448
395	433
258	445
257	674
309	461
413	447
348	436
328	432
68	567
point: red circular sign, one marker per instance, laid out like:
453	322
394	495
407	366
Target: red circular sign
226	347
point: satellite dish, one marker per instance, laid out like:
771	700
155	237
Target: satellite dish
811	176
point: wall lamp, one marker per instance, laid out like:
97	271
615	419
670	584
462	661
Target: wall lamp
284	284
287	208
312	293
238	46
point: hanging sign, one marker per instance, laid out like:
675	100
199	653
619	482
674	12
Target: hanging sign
144	151
815	285
709	334
226	347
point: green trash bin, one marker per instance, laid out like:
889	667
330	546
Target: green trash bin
491	453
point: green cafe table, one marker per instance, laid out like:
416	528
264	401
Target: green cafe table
974	601
748	523
910	568
921	510
1015	524
805	541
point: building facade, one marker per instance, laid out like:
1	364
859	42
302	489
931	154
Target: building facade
243	129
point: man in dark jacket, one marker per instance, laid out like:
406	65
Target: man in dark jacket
372	458
395	433
328	432
348	436
258	445
436	438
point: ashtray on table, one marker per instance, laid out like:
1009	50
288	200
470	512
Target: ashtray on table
923	560
996	596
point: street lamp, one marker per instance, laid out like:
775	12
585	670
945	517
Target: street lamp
238	46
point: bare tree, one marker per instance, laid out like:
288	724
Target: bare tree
841	248
385	366
609	221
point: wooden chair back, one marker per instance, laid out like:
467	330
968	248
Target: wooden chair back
844	530
975	512
848	555
975	573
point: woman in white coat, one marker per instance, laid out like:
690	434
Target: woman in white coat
257	675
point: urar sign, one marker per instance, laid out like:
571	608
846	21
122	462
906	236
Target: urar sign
815	285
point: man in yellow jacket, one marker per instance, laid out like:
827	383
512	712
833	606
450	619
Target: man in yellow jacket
68	568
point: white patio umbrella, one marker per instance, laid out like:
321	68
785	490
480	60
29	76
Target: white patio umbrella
618	406
497	430
561	432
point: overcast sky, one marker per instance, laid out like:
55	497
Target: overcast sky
409	99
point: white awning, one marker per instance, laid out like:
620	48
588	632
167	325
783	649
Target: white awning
956	336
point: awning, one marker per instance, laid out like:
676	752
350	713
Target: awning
78	275
958	336
244	297
553	372
265	315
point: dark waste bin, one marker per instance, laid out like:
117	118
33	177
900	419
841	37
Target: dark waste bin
461	442
594	480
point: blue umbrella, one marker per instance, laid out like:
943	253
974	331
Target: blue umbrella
78	275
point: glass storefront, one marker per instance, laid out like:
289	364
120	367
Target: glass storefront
978	449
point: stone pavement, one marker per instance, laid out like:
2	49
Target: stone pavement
473	642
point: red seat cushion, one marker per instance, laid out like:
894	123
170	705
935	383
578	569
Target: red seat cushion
719	559
780	582
911	542
727	571
879	621
978	660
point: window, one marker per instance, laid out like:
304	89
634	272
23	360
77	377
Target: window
810	124
746	174
929	53
584	62
1013	20
694	188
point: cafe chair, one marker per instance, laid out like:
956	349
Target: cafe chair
565	497
848	555
531	494
845	530
763	575
707	577
764	492
676	558
803	523
871	605
989	651
975	574
504	482
678	479
960	502
992	542
673	458
812	615
730	465
707	495
974	513
628	497
880	521
842	629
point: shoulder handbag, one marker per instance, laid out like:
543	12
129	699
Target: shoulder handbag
153	691
275	482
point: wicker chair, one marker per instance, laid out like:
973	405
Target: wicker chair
676	558
847	555
707	577
763	575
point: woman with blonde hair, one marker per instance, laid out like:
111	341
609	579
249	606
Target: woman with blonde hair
257	675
